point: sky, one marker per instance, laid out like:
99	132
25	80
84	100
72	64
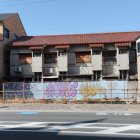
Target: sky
51	17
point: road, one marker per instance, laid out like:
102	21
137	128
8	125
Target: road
69	125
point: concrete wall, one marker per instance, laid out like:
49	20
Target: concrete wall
97	62
62	62
36	63
123	61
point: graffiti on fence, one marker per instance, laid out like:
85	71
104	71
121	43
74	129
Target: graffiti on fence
61	89
78	90
91	91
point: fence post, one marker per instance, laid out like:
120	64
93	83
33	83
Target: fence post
111	90
3	92
124	91
23	91
136	95
65	98
87	91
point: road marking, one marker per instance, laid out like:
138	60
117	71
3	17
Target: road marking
68	127
74	108
115	113
92	133
27	113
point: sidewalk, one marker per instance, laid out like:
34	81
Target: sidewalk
71	107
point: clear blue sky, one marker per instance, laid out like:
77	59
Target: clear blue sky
43	17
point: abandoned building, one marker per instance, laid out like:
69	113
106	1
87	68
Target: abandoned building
11	28
98	56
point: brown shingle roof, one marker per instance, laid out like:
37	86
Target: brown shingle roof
100	38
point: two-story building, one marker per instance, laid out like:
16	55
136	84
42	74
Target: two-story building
75	57
10	28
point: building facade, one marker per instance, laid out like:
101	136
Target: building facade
10	29
75	57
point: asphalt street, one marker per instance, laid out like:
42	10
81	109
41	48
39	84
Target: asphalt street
69	125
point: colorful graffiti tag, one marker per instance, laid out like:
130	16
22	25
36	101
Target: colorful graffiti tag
61	89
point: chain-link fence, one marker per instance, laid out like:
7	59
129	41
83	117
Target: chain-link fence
77	92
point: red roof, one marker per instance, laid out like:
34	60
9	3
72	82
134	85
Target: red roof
101	38
96	45
123	44
62	47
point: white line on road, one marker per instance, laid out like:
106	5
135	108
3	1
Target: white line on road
74	108
115	113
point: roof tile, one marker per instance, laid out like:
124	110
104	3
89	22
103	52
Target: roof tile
99	38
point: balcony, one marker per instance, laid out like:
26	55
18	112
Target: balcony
80	69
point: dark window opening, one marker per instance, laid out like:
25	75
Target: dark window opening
6	33
123	74
123	51
37	54
7	56
96	75
50	58
62	53
96	52
37	76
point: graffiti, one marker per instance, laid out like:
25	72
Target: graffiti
92	90
17	89
73	90
61	89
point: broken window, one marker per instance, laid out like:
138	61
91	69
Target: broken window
83	57
25	58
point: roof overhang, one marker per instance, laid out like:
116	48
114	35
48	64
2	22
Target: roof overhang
62	47
96	45
36	47
124	44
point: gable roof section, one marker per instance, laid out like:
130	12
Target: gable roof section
6	15
101	38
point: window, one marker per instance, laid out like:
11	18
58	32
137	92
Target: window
96	52
62	52
83	57
123	51
138	47
50	58
6	33
25	58
37	54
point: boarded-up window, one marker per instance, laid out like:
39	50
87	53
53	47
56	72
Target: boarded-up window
83	57
50	58
25	58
